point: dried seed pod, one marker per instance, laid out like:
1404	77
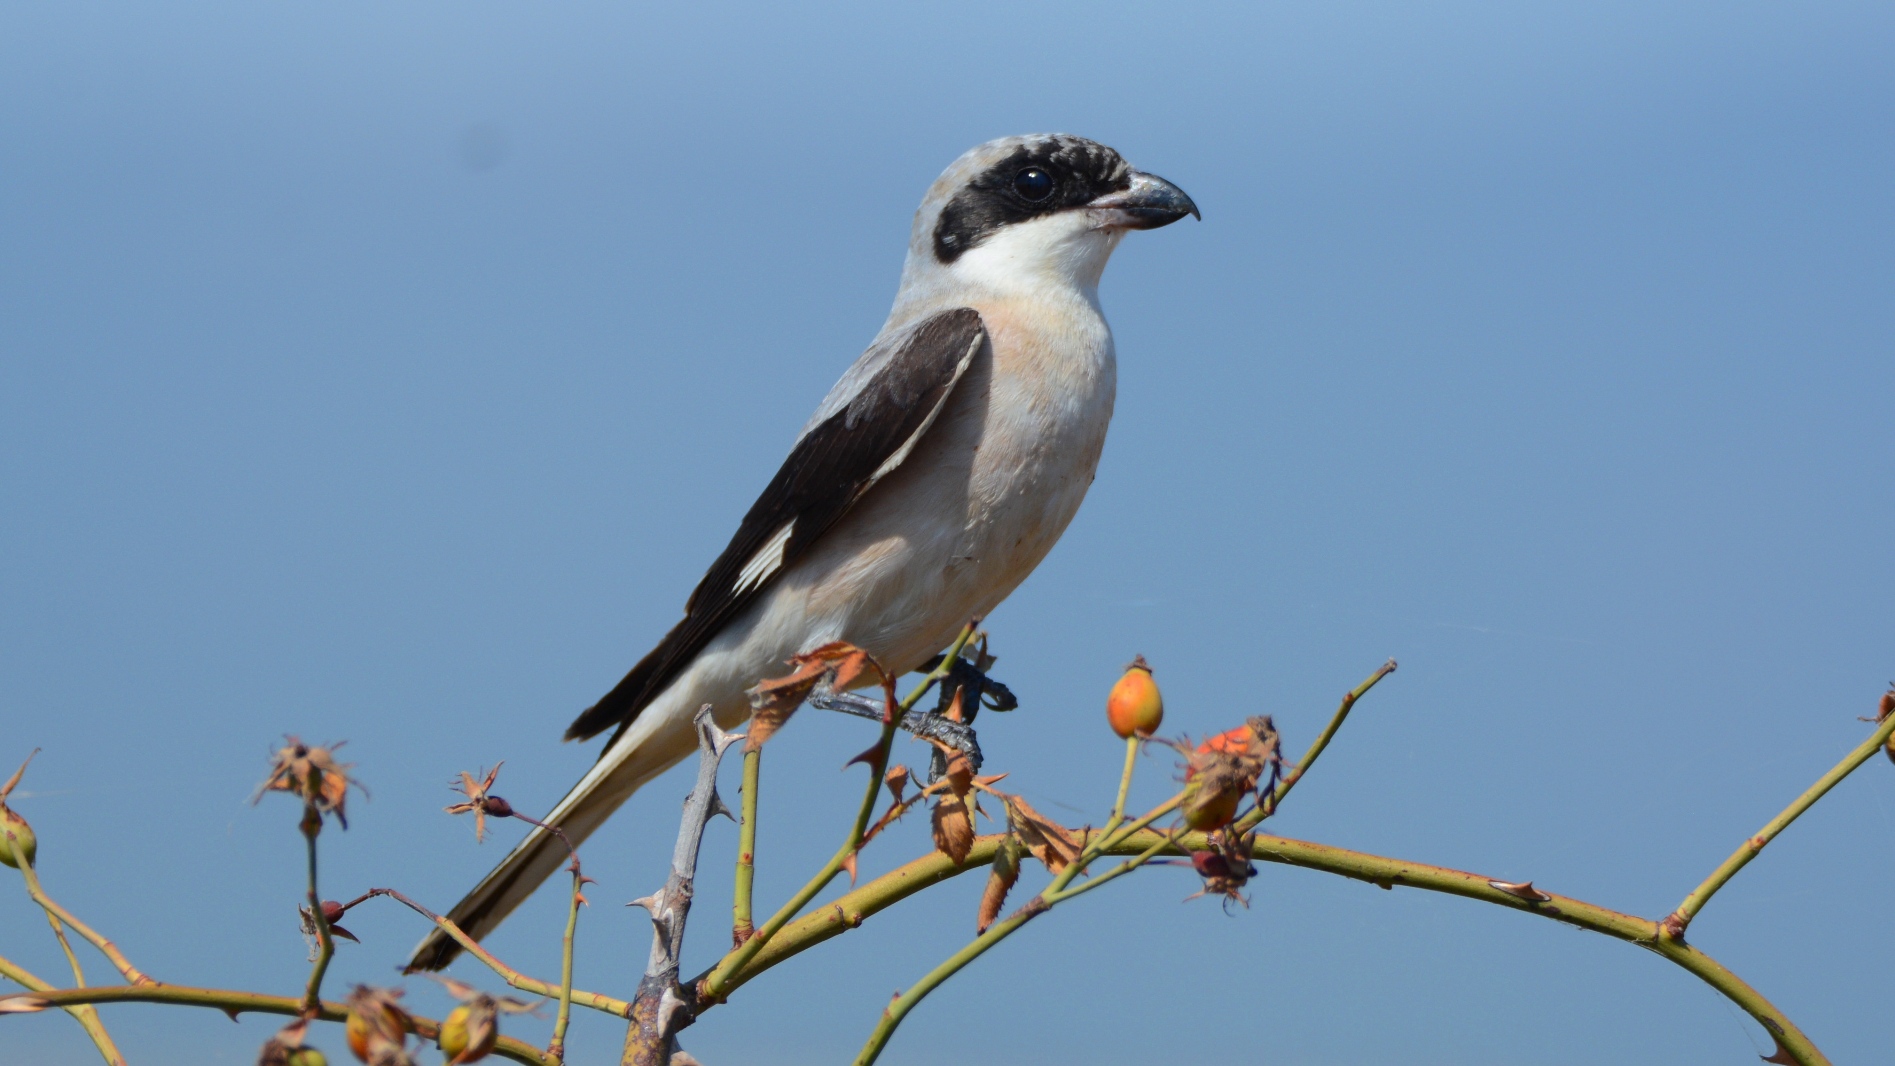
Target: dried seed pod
470	1030
1135	705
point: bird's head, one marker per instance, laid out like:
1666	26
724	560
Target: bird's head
1021	214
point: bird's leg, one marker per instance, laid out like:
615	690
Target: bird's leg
962	693
924	724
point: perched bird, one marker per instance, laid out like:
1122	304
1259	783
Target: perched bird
933	478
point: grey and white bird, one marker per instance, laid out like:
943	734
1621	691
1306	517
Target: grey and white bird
932	479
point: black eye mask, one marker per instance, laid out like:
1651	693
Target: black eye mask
1036	179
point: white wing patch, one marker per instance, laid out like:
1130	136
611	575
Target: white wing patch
767	561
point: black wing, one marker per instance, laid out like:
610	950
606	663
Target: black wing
831	467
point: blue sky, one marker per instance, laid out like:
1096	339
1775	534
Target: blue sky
390	372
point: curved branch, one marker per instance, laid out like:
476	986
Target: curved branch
233	1002
853	908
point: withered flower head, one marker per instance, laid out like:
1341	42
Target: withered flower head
470	1030
311	774
1220	772
286	1048
13	828
1225	867
378	1027
479	802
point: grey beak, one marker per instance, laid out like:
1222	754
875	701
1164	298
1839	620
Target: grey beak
1151	202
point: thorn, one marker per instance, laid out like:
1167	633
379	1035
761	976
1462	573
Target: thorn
718	806
232	1012
1524	890
867	758
651	904
849	865
1780	1055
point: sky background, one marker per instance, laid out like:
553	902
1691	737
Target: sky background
390	372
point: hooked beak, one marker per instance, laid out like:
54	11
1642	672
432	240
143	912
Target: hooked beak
1151	202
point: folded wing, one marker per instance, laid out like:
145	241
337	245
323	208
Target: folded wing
867	427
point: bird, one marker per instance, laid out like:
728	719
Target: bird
931	480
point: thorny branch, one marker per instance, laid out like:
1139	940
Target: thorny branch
662	1007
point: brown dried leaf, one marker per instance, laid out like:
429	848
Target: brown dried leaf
1006	871
953	828
773	700
1046	839
897	781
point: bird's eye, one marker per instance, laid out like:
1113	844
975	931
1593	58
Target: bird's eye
1033	184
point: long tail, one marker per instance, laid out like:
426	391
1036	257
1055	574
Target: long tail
643	752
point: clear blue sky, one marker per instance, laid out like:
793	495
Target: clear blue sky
390	372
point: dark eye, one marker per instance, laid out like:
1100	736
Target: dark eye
1033	184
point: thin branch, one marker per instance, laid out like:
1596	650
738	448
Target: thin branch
1132	744
84	1013
662	1007
1675	923
717	983
507	973
233	1002
1315	749
557	1046
325	943
106	947
741	925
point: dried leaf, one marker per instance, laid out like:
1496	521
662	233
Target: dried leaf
953	829
1046	839
773	700
897	781
1006	871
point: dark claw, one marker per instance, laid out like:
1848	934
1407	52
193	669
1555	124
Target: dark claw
985	690
924	724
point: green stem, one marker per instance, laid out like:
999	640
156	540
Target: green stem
1315	749
233	1002
83	1013
557	1048
907	1001
1052	895
325	944
1121	869
1675	924
1125	784
741	926
603	1004
54	910
715	986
